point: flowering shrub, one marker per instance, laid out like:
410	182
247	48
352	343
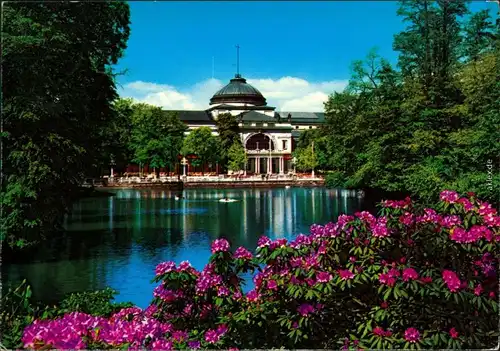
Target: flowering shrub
410	278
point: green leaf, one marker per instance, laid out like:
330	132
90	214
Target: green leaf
387	294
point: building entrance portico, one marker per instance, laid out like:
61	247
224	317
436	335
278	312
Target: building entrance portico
263	157
264	164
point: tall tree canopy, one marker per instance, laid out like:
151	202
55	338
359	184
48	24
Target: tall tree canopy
58	87
431	125
157	137
229	133
203	144
237	157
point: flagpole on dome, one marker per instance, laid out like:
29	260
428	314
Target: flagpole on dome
238	61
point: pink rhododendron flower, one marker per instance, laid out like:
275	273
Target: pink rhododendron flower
220	245
407	219
277	243
385	279
222	329
412	335
393	272
379	229
272	285
128	314
165	267
223	291
450	221
346	274
449	196
242	253
409	274
466	204
311	261
430	216
451	280
237	295
322	249
305	309
492	220
474	234
378	331
381	332
310	281
344	220
323	277
211	336
253	295
166	294
367	217
263	241
453	333
152	309
184	266
486	209
162	345
300	241
478	289
397	204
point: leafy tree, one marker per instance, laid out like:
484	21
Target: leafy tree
430	125
429	47
229	133
58	87
117	133
321	145
479	36
306	158
157	138
202	143
237	157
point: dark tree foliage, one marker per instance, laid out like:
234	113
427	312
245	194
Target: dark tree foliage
431	125
229	133
156	137
58	88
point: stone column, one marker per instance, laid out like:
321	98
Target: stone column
257	165
281	165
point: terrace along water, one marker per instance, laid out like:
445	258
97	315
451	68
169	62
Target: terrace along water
118	241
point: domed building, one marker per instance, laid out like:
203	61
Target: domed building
267	135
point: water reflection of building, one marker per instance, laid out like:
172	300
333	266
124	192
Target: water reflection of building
277	212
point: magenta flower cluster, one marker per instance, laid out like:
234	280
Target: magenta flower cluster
77	330
220	245
452	281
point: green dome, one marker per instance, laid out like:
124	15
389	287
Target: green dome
238	91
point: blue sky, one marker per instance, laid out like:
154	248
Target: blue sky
295	53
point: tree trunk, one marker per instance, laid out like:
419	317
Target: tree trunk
157	172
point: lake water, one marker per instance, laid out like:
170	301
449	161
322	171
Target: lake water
118	241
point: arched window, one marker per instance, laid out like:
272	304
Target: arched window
259	142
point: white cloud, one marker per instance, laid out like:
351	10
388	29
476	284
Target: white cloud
286	93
